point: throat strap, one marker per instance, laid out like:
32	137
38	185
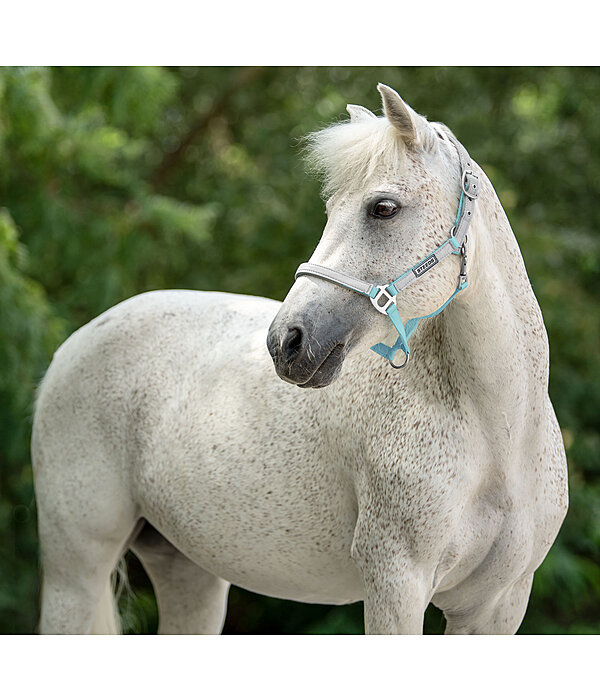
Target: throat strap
383	297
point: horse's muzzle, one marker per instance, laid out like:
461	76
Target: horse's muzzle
301	358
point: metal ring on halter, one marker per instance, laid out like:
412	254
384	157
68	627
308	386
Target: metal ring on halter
406	359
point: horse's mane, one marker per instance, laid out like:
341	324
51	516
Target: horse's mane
345	155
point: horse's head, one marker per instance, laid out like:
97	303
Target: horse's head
392	188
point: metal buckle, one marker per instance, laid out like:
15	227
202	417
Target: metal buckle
462	275
389	299
466	173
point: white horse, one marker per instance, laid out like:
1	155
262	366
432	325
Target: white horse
162	427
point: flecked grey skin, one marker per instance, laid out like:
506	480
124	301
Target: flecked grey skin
162	426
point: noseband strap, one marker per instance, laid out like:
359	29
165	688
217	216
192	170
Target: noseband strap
383	297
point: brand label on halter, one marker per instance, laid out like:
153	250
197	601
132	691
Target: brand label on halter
427	264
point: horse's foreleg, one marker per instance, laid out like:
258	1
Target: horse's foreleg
396	591
190	600
501	615
395	606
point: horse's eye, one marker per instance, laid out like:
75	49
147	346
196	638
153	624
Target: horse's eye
385	209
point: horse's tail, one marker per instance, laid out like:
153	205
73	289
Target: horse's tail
107	619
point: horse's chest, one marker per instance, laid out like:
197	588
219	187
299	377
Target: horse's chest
418	472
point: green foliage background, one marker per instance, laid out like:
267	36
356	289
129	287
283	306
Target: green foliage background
114	181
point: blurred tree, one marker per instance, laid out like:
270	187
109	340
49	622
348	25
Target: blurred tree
114	181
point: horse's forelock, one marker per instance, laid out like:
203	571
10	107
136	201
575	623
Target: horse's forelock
345	155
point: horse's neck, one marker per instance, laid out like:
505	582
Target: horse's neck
492	336
489	346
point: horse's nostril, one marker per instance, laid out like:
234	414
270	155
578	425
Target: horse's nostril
291	344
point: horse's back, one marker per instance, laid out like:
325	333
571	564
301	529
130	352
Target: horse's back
150	333
169	315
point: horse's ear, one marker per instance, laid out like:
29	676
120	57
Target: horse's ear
413	128
398	113
359	114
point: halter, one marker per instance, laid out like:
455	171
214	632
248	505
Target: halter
383	297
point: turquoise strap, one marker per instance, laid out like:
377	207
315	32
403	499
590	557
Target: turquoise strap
406	330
